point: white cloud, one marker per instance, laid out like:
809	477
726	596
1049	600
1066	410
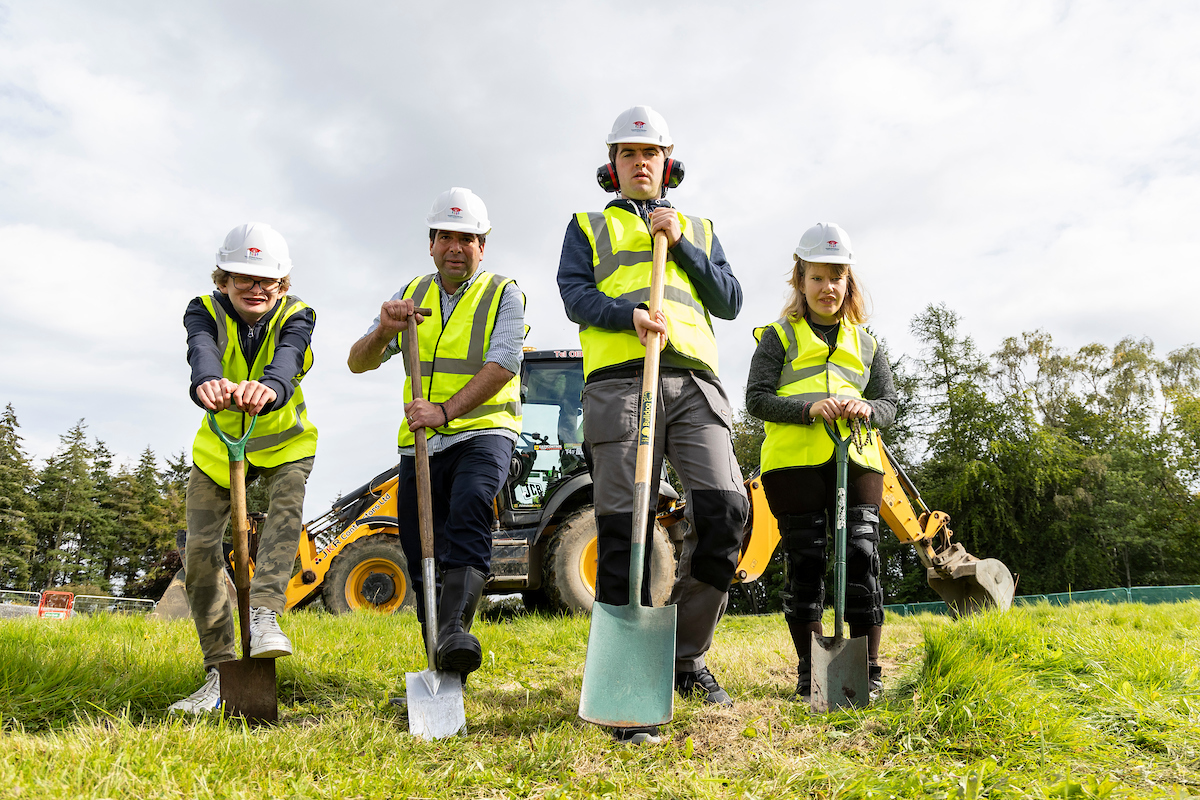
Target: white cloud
1029	164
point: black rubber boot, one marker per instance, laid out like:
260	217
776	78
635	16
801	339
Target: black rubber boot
458	650
802	638
874	634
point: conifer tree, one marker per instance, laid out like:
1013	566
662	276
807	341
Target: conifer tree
17	478
66	512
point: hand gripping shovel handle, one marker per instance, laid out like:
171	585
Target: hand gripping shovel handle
424	493
842	451
241	526
648	412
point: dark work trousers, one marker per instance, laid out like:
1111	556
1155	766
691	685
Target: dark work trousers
692	428
799	492
465	479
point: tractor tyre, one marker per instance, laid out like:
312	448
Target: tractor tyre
369	574
569	578
537	602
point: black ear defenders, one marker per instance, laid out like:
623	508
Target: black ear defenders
606	176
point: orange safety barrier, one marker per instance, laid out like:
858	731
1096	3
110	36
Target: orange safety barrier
56	605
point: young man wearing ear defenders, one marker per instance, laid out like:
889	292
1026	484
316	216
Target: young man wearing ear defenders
604	280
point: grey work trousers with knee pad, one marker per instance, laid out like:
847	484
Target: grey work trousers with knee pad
208	510
692	429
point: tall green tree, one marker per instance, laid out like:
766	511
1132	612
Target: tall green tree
17	478
160	514
66	513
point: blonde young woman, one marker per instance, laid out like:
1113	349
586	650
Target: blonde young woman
817	363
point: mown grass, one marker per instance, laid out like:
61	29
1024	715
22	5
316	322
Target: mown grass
1077	701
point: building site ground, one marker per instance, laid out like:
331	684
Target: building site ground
1086	700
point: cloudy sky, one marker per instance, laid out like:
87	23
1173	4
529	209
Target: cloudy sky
1031	165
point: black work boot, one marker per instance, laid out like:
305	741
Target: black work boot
702	683
802	633
458	650
874	634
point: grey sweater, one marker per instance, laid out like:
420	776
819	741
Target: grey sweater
767	364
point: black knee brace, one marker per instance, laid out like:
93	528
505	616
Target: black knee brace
804	542
864	592
720	520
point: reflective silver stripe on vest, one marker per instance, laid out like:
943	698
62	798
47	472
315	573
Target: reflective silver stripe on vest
256	443
790	374
671	293
858	380
812	397
479	326
794	375
610	262
866	351
476	350
222	329
417	296
607	262
273	439
699	238
484	410
626	258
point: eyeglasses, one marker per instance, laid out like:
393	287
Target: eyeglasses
245	282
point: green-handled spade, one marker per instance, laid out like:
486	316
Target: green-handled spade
247	684
839	666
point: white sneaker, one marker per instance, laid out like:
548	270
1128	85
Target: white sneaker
205	699
266	640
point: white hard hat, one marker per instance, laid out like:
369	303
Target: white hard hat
459	209
640	124
255	249
826	243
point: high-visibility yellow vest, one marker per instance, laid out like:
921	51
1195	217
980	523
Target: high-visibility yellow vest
281	436
811	373
622	255
453	351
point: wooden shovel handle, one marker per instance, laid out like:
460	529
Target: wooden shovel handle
648	412
241	549
420	443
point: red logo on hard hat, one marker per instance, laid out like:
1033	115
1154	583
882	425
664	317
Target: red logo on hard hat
832	243
455	212
639	124
254	252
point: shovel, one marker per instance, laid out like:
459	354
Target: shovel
629	672
247	684
435	698
839	666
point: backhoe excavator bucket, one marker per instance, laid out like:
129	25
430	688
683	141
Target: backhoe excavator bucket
967	584
975	585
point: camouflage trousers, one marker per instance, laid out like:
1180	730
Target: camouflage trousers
208	510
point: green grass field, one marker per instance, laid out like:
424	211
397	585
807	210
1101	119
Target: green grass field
1078	701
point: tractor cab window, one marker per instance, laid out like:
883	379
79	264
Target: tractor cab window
550	446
